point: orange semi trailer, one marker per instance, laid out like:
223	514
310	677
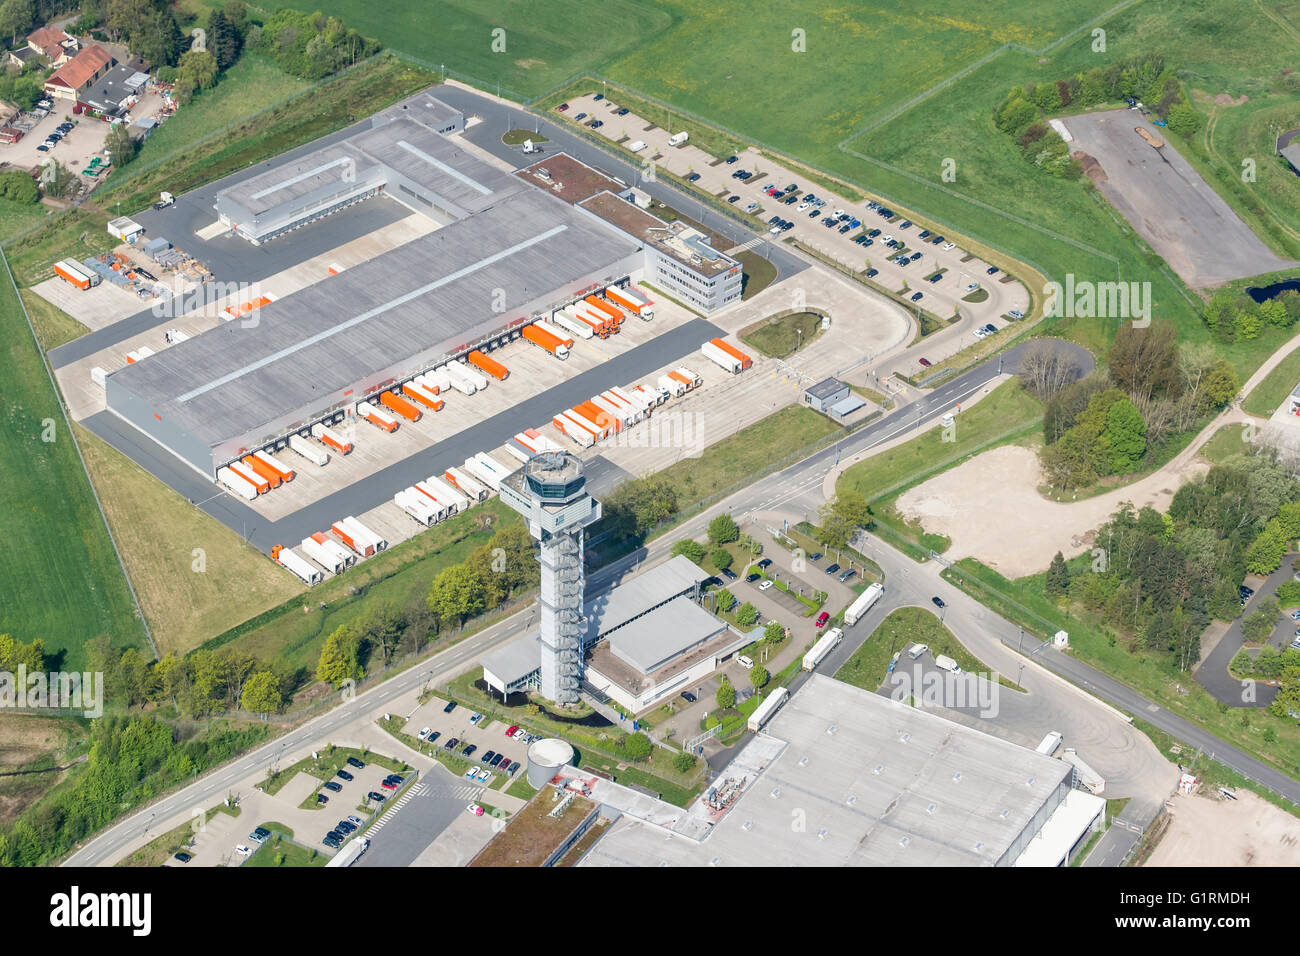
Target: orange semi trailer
489	365
265	471
544	339
423	396
604	308
399	405
745	360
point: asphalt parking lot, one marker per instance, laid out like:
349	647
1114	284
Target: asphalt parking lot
1168	202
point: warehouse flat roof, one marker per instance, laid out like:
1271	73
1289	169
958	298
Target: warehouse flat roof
571	180
645	591
664	634
432	295
881	784
424	108
440	165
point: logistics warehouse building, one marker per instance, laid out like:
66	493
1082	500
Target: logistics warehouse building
316	353
511	249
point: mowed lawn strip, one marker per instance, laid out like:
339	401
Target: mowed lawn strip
60	580
1265	397
193	575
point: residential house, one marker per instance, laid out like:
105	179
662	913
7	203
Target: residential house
54	44
74	78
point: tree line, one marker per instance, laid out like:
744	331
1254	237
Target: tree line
1230	316
1148	393
1021	113
1161	578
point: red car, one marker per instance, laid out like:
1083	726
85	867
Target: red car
925	362
822	618
562	107
389	785
510	731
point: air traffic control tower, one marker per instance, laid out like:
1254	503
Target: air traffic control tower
551	493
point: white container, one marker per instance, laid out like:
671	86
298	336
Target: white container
310	450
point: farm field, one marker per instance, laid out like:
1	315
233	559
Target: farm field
545	44
65	586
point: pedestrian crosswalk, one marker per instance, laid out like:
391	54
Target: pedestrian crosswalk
756	241
415	790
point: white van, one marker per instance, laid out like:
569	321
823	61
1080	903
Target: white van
1050	743
637	146
744	661
947	663
917	650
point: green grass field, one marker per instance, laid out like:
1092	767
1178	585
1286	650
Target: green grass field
779	338
544	44
1226	443
15	217
60	581
1272	391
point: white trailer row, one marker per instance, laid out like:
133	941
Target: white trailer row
461	380
312	451
300	566
721	358
487	470
1090	778
825	644
467	485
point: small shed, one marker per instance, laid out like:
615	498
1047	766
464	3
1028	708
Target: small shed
156	246
825	393
125	229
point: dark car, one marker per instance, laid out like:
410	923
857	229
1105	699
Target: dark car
905	224
937	602
732	159
260	835
914	256
394	778
873	233
872	273
729	574
182	857
990	328
433	736
469	751
451	705
513	768
321	798
790	200
936	240
832	568
495	761
689	697
343	775
597	124
344	826
487	757
734	199
693	178
354	762
765	563
992	270
814	213
846	574
336	835
598	97
333	787
787	225
1245	594
925	234
376	796
815	556
936	277
752	578
452	744
845	228
332	842
924	361
916	297
623	112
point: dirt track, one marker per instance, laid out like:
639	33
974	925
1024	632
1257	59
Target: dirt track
1209	831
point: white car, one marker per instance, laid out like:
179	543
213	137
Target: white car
471	773
484	776
803	205
838	213
518	734
775	230
980	333
765	585
886	239
243	850
950	245
424	733
972	286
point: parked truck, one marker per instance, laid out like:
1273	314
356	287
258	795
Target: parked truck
361	532
237	484
571	323
764	711
544	339
674	386
1048	745
825	644
448	493
443	509
312	451
472	374
320	549
491	470
631	300
75	273
329	437
440	379
863	603
395	402
1090	778
601	307
297	564
466	484
744	360
417	506
349	535
419	393
251	476
285	473
944	662
723	359
556	331
455	377
584	435
488	364
377	416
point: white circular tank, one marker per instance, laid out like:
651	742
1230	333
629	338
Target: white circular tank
545	758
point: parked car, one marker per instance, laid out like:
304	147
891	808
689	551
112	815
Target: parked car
182	857
815	556
469	750
332	842
356	821
487	757
822	618
925	362
434	736
243	850
343	775
846	574
693	178
734	199
925	234
765	563
1016	314
452	744
510	731
472	772
916	296
623	112
376	796
497	760
598	97
729	574
689	697
831	568
260	835
992	270
949	245
751	578
872	273
345	827
333	786
475	718
597	124
562	107
321	798
513	768
732	159
475	809
354	762
451	705
937	602
425	731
